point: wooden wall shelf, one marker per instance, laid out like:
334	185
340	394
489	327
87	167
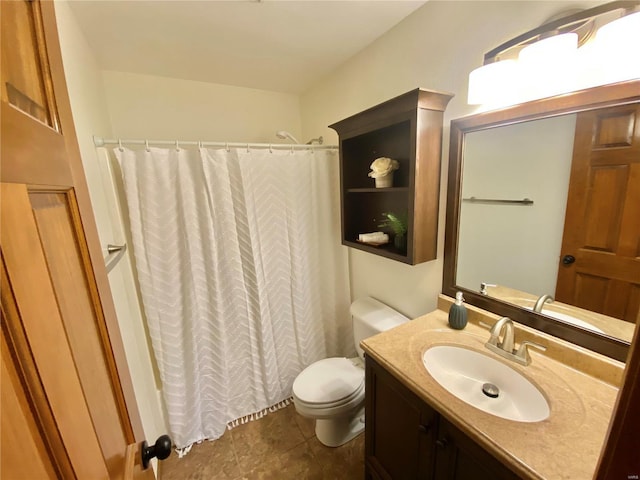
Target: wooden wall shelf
407	128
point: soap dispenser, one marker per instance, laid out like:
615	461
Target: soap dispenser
458	313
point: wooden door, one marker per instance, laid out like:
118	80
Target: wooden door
21	437
600	256
69	400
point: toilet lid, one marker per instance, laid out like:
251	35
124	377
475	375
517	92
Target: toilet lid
328	381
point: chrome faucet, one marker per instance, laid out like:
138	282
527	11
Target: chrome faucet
541	301
504	348
504	324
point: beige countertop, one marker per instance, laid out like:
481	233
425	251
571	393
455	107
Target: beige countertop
564	446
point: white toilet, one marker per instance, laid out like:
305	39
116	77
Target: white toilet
332	390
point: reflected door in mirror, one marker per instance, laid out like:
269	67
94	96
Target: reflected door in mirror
602	225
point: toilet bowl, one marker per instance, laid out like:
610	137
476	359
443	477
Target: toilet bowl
331	390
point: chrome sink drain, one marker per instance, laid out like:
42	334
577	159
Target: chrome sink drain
490	390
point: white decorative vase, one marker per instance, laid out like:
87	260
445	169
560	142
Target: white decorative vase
385	181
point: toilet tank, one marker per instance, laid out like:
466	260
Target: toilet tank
369	317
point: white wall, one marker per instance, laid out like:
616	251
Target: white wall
86	93
84	82
144	106
436	48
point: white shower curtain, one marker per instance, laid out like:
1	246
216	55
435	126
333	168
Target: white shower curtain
241	274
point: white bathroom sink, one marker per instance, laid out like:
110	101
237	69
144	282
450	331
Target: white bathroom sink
569	319
465	373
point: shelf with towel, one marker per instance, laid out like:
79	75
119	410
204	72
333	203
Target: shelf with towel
407	129
114	254
524	201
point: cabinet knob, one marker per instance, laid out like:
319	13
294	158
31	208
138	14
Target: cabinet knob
424	428
442	443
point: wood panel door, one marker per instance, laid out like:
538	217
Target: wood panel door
600	256
70	410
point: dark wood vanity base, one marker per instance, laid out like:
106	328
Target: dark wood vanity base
405	438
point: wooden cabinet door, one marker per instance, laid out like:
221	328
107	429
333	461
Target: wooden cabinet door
69	399
602	226
460	458
400	429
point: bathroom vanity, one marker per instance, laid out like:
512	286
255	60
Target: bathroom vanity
416	441
418	429
593	312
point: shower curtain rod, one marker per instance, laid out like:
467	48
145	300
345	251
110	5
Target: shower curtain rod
101	142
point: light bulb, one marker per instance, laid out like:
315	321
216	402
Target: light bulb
492	83
548	66
616	49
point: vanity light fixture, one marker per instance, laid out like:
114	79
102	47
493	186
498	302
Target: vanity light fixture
561	56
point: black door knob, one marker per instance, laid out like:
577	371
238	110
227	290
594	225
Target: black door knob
568	259
160	449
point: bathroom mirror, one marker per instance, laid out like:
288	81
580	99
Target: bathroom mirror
518	192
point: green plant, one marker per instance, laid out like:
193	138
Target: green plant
397	223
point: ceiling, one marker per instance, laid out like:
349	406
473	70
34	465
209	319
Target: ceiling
274	45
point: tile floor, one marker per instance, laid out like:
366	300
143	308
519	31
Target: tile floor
280	446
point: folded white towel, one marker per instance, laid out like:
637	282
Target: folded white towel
373	237
368	237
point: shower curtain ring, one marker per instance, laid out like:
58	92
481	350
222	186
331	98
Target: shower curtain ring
199	143
270	148
248	151
177	146
226	147
146	146
120	145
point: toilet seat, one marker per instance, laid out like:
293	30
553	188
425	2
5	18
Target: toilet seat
332	391
328	383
